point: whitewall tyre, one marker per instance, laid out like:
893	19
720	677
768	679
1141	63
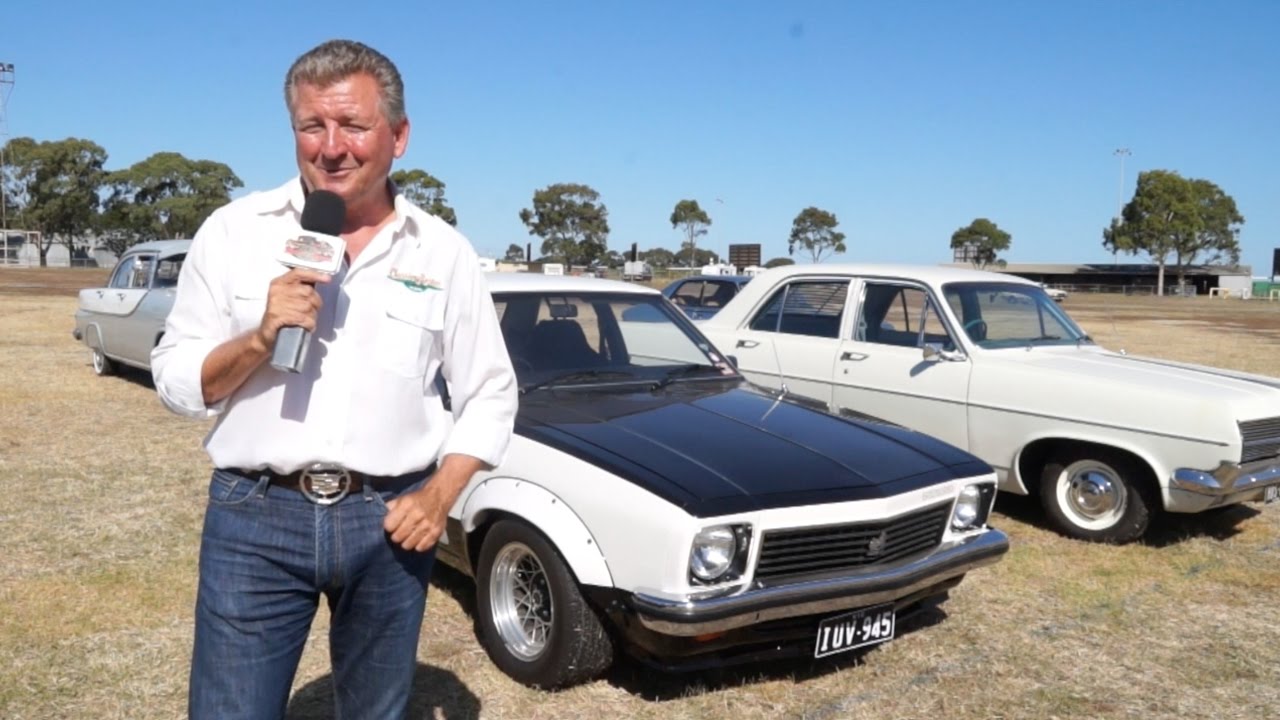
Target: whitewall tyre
102	365
1097	495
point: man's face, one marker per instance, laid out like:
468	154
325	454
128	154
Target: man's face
344	143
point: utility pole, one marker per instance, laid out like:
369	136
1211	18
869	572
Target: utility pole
1121	153
6	87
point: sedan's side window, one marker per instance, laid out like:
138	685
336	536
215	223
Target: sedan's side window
894	314
688	295
810	308
120	276
718	293
140	273
168	271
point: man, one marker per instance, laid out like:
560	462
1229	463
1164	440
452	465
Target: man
325	479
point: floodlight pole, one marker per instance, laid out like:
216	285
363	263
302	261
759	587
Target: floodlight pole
6	87
1121	153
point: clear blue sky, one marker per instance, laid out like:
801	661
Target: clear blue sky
907	120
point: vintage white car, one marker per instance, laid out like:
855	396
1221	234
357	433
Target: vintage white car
989	363
122	322
654	501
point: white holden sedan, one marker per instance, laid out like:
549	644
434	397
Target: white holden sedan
990	363
655	502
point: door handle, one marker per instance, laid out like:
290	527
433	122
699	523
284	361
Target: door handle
851	356
747	344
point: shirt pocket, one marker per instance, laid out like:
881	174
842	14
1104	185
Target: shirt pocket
410	333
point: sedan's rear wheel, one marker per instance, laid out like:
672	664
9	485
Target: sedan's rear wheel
534	622
1097	495
102	365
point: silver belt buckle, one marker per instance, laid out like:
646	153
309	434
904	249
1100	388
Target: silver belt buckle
325	484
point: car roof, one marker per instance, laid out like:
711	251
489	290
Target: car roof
932	274
499	282
164	248
731	278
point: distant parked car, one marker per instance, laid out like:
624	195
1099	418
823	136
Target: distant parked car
1056	294
991	364
702	296
122	322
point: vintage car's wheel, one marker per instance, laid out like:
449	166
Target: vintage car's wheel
1097	495
102	365
534	623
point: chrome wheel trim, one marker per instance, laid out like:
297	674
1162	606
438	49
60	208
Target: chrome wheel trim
520	601
99	362
1092	495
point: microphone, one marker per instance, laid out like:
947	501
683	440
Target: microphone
319	247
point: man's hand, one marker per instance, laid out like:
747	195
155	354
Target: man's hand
292	300
415	521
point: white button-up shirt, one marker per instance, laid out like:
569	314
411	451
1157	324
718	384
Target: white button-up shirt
414	303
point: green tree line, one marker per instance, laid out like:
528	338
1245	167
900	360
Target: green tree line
62	189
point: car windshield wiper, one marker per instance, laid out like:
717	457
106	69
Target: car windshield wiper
1043	338
575	375
685	371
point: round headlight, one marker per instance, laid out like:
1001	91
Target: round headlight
967	507
712	553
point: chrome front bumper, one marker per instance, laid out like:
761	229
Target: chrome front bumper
1230	483
697	617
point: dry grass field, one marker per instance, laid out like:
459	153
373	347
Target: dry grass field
103	497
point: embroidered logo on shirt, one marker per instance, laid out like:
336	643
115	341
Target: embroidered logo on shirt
416	283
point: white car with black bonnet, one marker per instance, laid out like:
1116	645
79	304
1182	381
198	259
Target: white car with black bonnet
653	501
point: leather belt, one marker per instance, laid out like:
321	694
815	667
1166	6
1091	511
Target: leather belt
327	484
293	480
320	485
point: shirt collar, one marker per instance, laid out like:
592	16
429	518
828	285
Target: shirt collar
290	197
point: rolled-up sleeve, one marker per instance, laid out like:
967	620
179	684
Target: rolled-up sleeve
198	323
482	384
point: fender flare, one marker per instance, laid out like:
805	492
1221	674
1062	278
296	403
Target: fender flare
546	512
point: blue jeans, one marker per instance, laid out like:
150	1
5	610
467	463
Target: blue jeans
266	556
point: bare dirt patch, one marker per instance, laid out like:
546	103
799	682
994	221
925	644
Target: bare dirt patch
103	500
39	282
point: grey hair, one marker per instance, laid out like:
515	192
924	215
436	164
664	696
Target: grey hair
336	60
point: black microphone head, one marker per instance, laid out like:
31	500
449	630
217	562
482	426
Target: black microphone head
324	212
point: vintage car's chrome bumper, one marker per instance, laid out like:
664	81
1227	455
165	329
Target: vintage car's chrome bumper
696	617
1230	483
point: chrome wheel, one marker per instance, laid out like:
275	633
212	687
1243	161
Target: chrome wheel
520	601
1091	495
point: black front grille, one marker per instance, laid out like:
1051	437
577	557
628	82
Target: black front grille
816	550
1261	439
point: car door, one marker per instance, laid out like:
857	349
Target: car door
115	302
794	336
135	333
881	369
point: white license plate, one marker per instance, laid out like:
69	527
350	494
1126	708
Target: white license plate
1271	494
859	628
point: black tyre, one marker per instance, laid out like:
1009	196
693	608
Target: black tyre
1098	495
102	365
534	623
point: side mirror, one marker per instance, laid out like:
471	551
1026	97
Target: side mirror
733	360
934	352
